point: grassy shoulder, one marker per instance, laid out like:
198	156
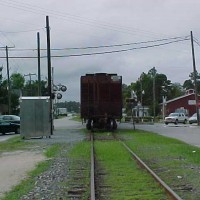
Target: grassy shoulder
176	162
13	144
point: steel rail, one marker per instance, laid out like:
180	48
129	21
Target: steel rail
92	183
169	191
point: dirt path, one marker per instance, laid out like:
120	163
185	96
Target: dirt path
14	167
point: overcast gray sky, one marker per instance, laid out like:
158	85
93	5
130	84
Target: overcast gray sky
76	23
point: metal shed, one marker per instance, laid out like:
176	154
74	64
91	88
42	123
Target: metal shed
35	117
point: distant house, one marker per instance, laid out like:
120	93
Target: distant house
185	103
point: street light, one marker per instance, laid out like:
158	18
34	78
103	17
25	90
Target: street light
154	92
142	103
163	107
134	98
164	97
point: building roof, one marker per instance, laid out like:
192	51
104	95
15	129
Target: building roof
177	98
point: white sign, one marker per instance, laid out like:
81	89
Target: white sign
191	102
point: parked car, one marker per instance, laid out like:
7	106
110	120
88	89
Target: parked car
176	118
9	123
193	119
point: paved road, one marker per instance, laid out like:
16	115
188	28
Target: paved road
187	133
7	136
59	133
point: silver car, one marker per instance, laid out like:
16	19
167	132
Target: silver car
193	119
176	118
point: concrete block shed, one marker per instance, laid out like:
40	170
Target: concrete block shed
35	117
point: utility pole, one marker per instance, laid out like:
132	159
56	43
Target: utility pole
39	75
154	94
195	80
8	83
1	68
30	80
49	72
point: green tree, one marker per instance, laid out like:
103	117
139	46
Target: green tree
17	81
3	92
189	84
31	89
144	90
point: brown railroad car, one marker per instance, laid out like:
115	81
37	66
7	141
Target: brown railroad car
101	100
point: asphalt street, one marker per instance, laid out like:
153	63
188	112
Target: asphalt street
186	133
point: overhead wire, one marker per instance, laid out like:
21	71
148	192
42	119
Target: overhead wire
102	46
22	31
196	41
117	45
100	53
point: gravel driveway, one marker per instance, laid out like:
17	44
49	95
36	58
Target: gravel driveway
14	166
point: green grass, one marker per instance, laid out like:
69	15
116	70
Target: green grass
76	118
80	166
169	158
123	176
52	151
150	146
13	144
81	150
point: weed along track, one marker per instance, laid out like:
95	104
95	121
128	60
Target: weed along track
168	190
115	175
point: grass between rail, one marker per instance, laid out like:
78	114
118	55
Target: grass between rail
177	163
79	173
123	177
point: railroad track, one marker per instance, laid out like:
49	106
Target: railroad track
169	192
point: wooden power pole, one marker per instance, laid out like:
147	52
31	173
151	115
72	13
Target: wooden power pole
8	83
39	74
195	79
49	72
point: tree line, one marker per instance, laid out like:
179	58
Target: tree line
20	87
147	85
145	88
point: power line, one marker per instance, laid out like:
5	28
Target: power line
33	30
100	53
196	41
104	46
118	45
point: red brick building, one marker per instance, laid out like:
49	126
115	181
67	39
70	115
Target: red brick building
185	103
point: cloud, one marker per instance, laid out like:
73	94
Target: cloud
88	23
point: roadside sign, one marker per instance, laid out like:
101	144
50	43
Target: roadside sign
191	102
